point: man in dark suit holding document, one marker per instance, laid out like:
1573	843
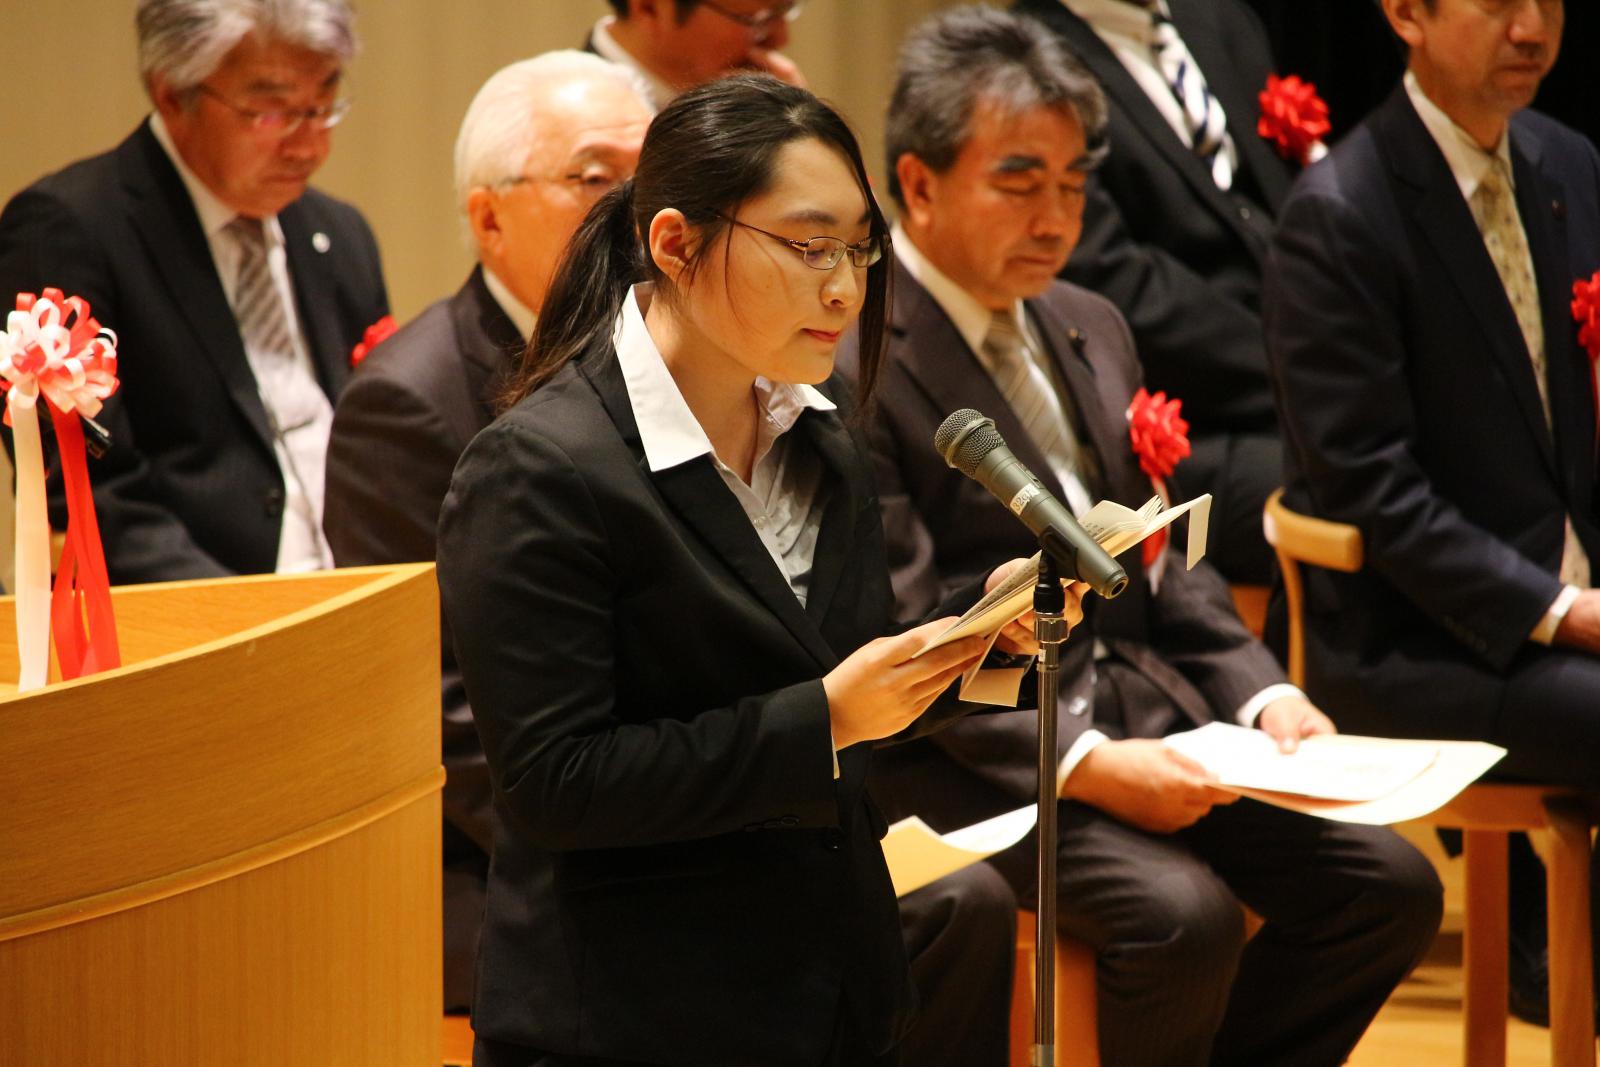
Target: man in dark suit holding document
991	130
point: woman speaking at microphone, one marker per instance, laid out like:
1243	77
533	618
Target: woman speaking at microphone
664	570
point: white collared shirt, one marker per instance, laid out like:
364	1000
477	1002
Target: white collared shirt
1469	162
782	499
971	320
1129	32
521	315
301	452
660	93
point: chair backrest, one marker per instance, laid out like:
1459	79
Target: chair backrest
1298	539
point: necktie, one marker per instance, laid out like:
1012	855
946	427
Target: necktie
1494	209
1032	396
292	400
1202	112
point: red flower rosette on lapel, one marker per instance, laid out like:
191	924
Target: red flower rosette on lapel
1160	438
1294	119
376	334
53	348
1586	312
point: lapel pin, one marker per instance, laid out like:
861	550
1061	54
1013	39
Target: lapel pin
1078	339
320	242
1558	209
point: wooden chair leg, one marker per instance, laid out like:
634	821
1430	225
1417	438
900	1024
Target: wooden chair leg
1077	1023
1571	974
1485	950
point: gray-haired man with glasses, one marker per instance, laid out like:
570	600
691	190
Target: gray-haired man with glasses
237	291
677	44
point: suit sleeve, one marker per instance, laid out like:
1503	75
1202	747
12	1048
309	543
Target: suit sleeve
1334	331
389	463
528	581
43	243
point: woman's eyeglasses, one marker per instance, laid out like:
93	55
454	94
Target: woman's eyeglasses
824	253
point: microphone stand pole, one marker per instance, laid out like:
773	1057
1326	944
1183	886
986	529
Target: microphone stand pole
1049	602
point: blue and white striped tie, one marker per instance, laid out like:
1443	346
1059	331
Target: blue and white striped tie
1202	112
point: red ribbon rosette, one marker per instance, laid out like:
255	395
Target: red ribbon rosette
1294	118
52	347
376	334
1160	438
1586	312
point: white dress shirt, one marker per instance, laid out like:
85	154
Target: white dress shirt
971	320
1468	163
302	451
521	315
1128	31
658	92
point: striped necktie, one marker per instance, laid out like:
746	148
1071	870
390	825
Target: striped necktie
291	398
1031	395
1202	112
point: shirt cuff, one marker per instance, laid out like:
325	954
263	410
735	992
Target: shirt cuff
835	755
1545	632
1251	709
1086	743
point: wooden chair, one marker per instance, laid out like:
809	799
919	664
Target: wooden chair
1485	814
456	1041
1077	1034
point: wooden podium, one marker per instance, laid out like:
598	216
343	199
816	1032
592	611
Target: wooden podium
227	850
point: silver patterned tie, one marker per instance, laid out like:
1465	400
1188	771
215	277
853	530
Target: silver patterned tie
290	399
1028	390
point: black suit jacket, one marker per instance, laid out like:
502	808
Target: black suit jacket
1411	411
410	410
1180	258
1184	638
677	876
190	487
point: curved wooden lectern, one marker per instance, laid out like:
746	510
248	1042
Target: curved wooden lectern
227	850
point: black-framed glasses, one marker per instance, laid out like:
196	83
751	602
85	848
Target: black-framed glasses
761	18
281	123
824	253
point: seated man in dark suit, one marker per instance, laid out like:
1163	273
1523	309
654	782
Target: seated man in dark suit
990	132
675	45
1175	231
236	291
1435	394
542	141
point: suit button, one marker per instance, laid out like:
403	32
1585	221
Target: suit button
1078	706
790	820
272	504
1244	213
832	840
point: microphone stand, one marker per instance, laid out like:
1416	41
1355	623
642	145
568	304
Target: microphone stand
1049	602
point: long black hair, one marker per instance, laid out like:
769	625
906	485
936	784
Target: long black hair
706	153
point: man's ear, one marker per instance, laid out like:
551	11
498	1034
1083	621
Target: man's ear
671	243
917	182
167	100
483	217
1405	19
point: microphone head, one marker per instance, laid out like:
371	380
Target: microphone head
964	438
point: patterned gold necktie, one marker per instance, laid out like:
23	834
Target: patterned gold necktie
1494	208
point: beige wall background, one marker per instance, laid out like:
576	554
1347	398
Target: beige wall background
69	89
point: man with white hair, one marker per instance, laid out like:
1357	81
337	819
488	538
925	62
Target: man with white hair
541	142
237	292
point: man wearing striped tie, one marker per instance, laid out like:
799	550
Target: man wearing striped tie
236	291
1175	230
989	139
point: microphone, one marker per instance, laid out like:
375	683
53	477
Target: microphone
970	443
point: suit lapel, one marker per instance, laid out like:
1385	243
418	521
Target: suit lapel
696	493
164	216
1127	95
1541	201
312	278
1067	346
844	482
489	341
1447	223
948	371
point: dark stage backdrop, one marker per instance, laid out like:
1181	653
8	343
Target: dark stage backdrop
1346	49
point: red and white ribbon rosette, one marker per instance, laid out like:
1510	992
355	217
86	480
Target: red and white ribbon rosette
1294	118
53	348
1160	438
1586	312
